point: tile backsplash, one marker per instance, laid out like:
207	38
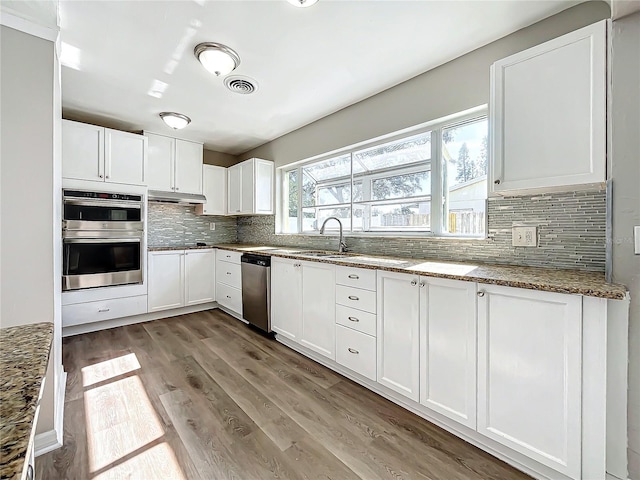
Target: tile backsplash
171	225
571	234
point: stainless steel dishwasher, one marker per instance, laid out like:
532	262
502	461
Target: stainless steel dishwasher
256	290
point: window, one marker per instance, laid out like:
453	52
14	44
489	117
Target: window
387	187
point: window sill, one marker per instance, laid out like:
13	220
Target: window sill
394	235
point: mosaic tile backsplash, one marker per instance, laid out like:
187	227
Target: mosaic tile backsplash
571	234
171	225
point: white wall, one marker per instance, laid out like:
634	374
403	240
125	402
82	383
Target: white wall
26	192
625	175
458	85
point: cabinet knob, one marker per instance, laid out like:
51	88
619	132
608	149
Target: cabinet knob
352	350
497	182
107	176
422	284
29	475
177	189
100	176
414	283
481	293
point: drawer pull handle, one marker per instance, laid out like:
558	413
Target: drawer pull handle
228	256
353	319
351	350
102	310
228	296
497	182
228	273
481	293
353	297
355	277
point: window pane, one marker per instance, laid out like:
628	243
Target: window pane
291	185
405	216
403	152
332	194
401	186
330	169
312	218
464	169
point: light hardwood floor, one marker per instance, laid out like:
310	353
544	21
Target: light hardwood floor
203	396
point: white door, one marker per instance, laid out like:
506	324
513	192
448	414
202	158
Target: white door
188	173
234	189
161	155
214	187
319	308
548	113
529	373
398	333
448	348
125	157
200	276
286	297
264	170
248	189
82	151
166	280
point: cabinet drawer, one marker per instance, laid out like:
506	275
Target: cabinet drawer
229	274
364	322
356	277
229	297
81	313
229	256
356	351
356	298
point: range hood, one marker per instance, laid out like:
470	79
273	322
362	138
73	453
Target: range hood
176	197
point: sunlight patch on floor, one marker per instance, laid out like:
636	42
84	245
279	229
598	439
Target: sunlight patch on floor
102	371
158	462
119	420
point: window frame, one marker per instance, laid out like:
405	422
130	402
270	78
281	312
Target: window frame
436	195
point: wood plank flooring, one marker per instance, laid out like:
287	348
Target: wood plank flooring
203	396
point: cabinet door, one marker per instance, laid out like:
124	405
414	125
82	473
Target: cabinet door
166	280
529	374
200	276
286	297
214	187
161	155
548	113
125	157
82	151
398	328
319	308
234	190
247	192
448	348
188	173
264	172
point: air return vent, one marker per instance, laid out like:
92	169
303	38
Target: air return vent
242	85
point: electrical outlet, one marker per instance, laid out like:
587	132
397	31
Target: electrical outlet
212	226
636	234
524	236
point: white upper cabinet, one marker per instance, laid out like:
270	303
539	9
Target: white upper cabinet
250	187
214	188
174	165
100	154
529	374
398	333
548	115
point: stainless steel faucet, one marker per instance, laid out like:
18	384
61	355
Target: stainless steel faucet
342	247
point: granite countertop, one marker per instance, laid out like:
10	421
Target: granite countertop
24	356
577	282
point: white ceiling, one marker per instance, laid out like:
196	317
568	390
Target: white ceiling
308	62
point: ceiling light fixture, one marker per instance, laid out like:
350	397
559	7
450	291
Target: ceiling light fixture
175	120
217	58
302	3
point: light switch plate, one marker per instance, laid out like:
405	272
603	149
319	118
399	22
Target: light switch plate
212	226
636	239
524	236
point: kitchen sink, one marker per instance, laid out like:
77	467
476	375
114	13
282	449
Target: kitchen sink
324	254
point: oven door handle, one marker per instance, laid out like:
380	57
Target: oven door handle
102	240
102	203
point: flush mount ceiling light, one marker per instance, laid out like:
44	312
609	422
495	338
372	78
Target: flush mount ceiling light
175	120
302	3
217	58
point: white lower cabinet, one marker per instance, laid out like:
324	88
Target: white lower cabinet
318	330
286	297
178	278
448	348
398	333
98	311
356	351
229	281
529	374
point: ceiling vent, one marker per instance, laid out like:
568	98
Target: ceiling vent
242	85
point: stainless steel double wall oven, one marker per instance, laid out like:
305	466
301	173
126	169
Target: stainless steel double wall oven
102	239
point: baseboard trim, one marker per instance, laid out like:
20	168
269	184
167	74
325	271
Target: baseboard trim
46	442
60	398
